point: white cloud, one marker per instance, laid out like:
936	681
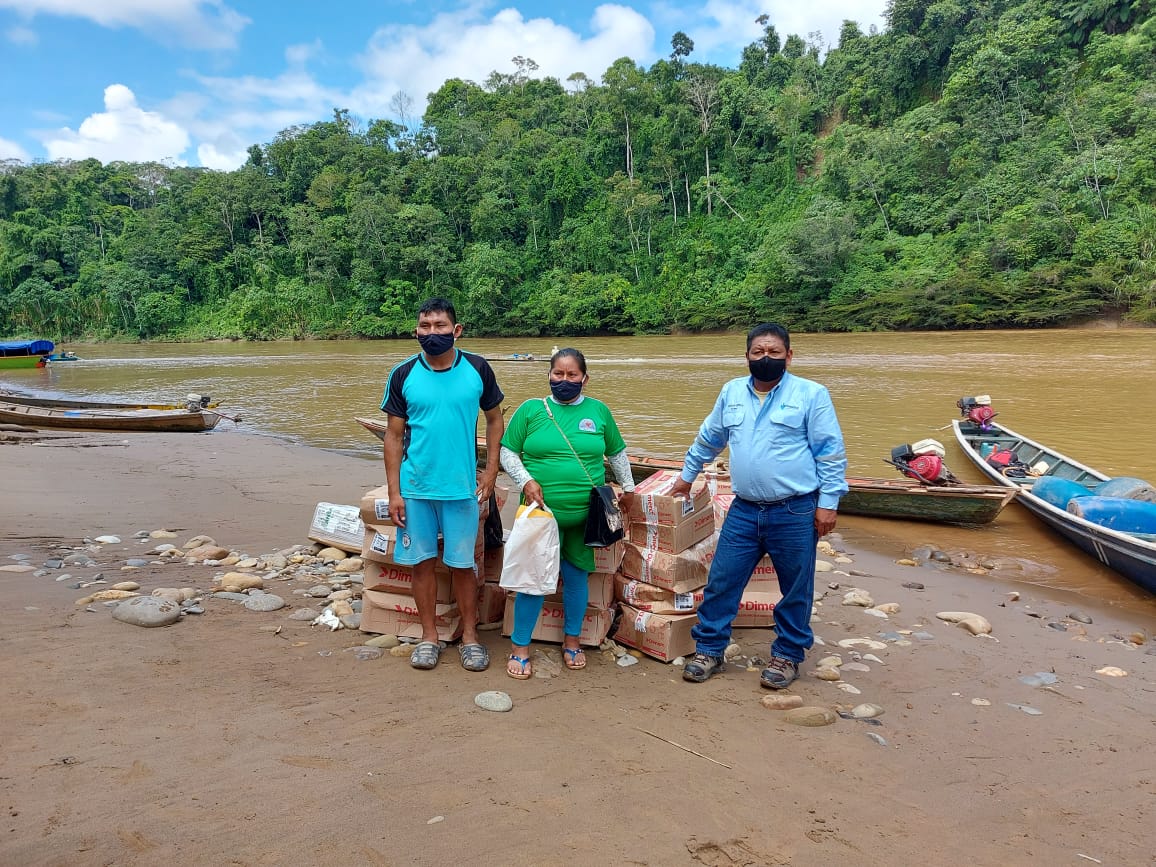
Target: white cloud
209	156
123	131
21	35
465	44
206	24
722	28
9	150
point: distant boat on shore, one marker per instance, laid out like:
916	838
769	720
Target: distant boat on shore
194	417
25	353
516	356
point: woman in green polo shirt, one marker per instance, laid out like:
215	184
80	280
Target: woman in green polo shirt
554	449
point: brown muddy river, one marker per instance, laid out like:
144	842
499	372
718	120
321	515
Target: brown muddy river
1089	393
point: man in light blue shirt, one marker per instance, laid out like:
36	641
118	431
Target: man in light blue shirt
788	470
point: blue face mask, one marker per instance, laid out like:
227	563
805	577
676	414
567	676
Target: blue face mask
564	390
436	344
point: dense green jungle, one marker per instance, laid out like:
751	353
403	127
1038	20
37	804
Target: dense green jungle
978	164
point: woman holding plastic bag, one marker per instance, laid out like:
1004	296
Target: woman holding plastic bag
554	449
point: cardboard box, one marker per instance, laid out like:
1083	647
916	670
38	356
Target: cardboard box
391	614
662	636
374	507
654	505
339	526
680	573
608	559
764	579
491	603
549	627
674	539
601	588
379	544
756	610
648	597
398	580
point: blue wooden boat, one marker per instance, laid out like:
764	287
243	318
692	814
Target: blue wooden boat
25	353
64	356
1064	501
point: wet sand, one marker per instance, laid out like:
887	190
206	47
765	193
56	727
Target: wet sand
217	741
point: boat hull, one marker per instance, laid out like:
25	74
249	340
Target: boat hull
66	403
156	421
1130	556
14	362
877	498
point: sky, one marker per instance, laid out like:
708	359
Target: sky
196	82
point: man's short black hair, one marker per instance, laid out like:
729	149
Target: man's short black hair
773	328
439	305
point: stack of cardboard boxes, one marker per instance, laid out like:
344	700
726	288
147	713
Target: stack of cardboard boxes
671	543
757	606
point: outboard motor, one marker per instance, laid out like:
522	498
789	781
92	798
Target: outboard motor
196	402
977	410
923	462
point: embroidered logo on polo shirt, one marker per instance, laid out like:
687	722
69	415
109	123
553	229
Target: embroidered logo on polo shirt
586	425
405	540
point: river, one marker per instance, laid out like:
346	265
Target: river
1089	393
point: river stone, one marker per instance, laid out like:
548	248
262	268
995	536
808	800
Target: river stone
107	540
810	716
276	561
859	598
207	552
1079	617
193	609
235	582
824	566
781	701
338	595
830	662
303	614
349	564
913	585
17	567
113	594
198	541
385	641
334	554
162	534
401	650
856	666
906	561
265	602
125	585
148	611
319	591
888	607
828	674
351	621
341	608
232	597
494	700
866	711
174	594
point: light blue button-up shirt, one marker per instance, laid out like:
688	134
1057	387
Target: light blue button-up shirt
788	444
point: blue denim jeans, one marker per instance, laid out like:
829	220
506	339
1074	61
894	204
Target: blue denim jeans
575	598
784	530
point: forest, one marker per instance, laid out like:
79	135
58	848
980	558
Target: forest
976	164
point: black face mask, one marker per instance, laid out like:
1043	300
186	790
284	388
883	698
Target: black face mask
564	390
436	344
767	369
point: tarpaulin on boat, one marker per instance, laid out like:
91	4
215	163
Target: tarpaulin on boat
26	347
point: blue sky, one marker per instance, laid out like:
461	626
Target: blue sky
195	82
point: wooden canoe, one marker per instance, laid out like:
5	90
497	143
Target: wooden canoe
158	421
1133	555
877	498
73	403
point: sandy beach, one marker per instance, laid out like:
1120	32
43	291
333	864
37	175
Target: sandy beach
219	740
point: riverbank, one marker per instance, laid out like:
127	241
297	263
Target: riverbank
219	740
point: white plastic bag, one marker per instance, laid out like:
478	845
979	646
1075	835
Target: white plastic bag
532	556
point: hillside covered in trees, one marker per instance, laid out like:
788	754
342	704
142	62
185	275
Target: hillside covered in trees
980	163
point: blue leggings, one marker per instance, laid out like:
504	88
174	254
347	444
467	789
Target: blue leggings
575	597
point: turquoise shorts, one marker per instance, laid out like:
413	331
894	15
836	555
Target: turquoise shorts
455	520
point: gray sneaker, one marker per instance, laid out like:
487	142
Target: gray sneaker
779	673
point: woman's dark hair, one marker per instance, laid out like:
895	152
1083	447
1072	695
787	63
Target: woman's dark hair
773	328
569	353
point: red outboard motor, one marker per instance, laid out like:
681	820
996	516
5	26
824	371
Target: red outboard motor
977	410
927	468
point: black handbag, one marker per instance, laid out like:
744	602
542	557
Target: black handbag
604	520
604	524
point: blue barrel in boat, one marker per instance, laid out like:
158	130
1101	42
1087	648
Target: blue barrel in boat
1057	491
1116	513
1128	488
